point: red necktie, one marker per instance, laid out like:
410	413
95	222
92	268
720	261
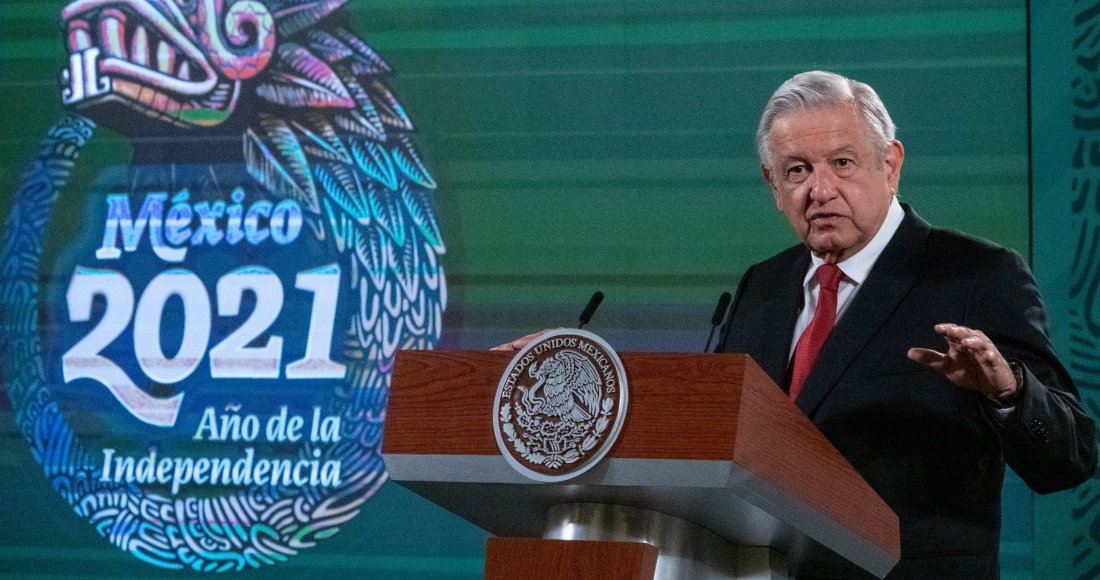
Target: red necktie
809	344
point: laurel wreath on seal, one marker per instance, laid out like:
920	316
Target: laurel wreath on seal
557	441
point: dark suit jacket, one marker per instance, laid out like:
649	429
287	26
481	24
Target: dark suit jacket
930	449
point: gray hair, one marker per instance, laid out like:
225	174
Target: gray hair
817	90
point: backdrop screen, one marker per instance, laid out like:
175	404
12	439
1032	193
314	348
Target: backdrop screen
224	217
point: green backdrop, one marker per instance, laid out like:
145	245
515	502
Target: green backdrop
582	145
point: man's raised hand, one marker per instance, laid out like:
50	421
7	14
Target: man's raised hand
972	361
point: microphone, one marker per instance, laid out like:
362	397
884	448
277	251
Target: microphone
593	304
718	316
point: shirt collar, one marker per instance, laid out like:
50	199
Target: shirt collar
858	266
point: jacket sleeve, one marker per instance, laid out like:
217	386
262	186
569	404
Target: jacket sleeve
1048	440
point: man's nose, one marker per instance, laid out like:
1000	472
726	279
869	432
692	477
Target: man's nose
822	185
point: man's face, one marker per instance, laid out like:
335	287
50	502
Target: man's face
829	181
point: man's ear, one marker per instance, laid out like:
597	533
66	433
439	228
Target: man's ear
895	156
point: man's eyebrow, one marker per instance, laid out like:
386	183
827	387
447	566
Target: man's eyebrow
786	159
845	149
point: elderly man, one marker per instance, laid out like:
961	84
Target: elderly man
920	353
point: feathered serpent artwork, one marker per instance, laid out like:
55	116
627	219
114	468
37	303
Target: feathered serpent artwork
226	103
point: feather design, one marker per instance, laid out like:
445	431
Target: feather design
422	215
300	79
293	160
361	124
368	61
375	162
292	16
327	46
339	132
366	108
292	91
406	159
389	110
346	196
265	167
321	141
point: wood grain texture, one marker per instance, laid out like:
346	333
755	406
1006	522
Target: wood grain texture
780	444
441	402
536	559
680	405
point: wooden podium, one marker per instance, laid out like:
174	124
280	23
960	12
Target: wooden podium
715	474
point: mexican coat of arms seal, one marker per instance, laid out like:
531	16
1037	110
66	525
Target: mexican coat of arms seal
560	405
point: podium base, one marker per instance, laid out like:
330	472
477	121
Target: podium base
685	551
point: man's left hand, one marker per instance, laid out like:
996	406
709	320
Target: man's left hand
972	361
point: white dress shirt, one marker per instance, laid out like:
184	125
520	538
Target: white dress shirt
855	269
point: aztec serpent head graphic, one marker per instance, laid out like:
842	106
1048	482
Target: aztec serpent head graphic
276	98
304	103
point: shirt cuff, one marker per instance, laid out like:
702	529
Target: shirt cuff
1003	416
1000	413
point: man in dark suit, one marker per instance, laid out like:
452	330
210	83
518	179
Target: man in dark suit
921	354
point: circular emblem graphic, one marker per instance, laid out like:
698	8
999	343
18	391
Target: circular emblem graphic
204	374
560	405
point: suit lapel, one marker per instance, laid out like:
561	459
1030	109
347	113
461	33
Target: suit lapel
781	316
890	280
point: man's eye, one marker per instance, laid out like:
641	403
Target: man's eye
798	173
843	162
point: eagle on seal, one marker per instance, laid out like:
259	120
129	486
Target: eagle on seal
570	385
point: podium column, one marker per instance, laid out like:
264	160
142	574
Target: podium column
685	551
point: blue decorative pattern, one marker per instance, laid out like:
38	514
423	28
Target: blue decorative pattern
322	129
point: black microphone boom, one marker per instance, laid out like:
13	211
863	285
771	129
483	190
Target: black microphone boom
718	316
720	310
593	304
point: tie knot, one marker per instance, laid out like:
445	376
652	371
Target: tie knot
828	275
